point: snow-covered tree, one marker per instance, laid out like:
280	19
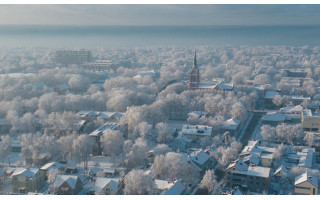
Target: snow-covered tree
5	147
83	147
164	133
112	142
208	181
138	183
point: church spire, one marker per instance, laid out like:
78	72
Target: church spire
195	60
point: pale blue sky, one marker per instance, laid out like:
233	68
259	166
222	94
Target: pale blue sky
160	14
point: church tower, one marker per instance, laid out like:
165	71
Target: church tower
194	74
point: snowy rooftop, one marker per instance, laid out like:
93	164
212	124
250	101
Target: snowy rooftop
239	164
199	157
281	169
256	171
291	109
26	172
254	159
162	184
274	117
231	124
52	166
306	177
271	94
71	180
101	129
308	113
197	113
222	85
176	189
196	130
100	183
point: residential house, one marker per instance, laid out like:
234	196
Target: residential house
196	132
67	185
306	184
197	114
27	180
181	143
52	166
201	159
105	186
232	125
251	178
97	134
163	187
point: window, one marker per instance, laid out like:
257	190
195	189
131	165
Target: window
303	188
314	191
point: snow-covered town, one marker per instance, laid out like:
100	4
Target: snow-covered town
160	120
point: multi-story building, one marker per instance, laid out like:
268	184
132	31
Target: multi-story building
68	57
306	184
310	121
27	180
249	178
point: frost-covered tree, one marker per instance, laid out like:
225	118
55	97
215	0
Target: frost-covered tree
224	155
112	142
268	132
136	156
238	111
173	166
208	181
164	132
310	139
5	148
138	183
79	83
143	129
66	143
83	148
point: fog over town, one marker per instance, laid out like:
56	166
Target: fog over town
170	119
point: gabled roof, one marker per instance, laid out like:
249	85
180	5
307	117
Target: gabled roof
100	183
254	159
306	177
106	126
177	189
281	169
163	184
26	172
199	157
52	166
231	124
239	164
70	179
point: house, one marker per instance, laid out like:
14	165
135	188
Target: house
201	160
274	118
52	166
310	121
181	143
67	185
281	171
97	134
105	186
27	180
306	184
176	189
232	125
251	178
195	132
268	98
257	152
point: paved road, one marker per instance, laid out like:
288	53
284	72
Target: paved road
251	127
